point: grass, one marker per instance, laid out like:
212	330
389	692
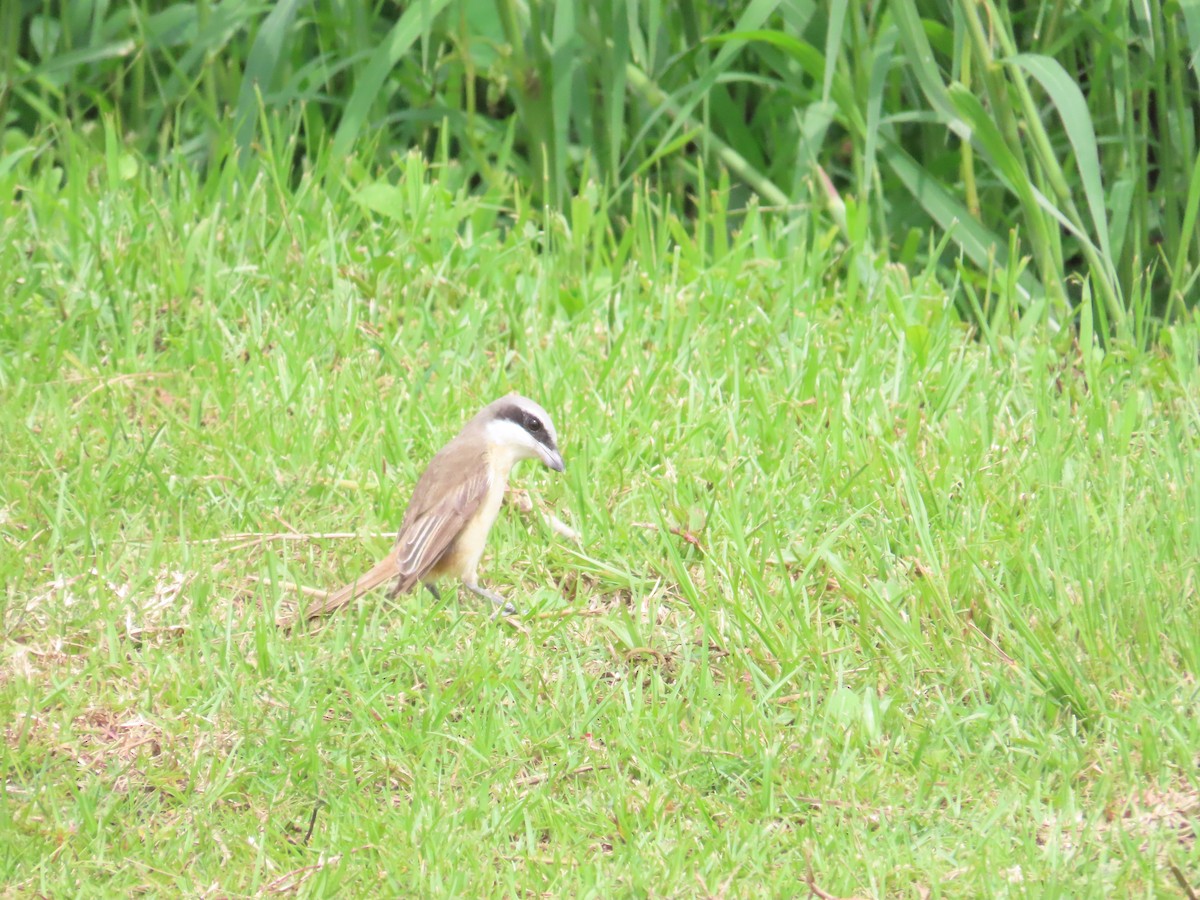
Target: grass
983	121
866	601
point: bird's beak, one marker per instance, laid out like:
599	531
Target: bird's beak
553	460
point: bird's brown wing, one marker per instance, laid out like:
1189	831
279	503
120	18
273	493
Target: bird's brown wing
436	514
446	496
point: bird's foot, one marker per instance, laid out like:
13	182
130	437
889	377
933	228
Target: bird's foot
503	607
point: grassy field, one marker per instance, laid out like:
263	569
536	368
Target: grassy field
867	603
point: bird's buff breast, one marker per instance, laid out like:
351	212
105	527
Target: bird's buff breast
463	557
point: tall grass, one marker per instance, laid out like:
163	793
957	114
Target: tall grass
1055	146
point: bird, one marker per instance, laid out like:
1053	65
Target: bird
455	503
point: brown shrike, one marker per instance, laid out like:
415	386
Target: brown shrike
455	502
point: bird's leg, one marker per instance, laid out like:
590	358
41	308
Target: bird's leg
437	595
502	605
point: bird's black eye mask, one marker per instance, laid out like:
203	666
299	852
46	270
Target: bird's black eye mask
531	423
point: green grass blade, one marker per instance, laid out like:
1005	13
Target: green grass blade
987	137
752	18
1072	108
638	81
264	59
919	55
368	83
1181	273
882	56
66	63
564	60
979	244
1191	17
833	44
615	99
814	64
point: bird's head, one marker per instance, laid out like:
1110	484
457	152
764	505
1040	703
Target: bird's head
519	426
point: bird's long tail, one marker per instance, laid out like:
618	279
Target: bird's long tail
379	573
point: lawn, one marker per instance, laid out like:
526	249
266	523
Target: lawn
866	601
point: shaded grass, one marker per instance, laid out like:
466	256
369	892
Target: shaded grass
860	597
985	121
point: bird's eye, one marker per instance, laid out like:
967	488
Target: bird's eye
533	424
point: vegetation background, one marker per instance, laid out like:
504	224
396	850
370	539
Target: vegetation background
870	330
